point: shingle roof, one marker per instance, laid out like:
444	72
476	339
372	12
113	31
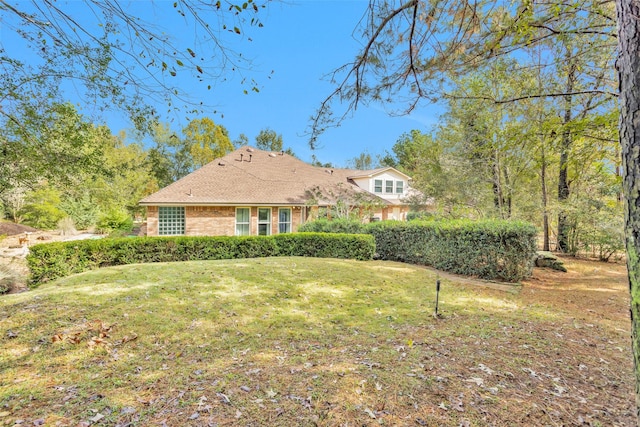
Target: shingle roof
249	176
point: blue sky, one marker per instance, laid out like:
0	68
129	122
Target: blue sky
301	42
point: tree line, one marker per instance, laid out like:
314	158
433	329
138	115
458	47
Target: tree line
58	170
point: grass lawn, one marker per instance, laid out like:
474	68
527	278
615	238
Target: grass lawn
304	341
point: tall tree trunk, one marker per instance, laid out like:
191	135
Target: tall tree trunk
545	212
563	179
628	12
507	191
498	196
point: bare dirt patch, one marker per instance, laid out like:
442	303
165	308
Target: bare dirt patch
12	229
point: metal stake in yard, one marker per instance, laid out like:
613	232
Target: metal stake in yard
437	296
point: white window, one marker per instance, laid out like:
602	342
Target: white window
243	226
399	187
388	186
264	221
377	186
171	220
284	220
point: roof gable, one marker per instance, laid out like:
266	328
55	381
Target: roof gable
375	172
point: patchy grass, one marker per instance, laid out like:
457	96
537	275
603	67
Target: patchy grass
297	341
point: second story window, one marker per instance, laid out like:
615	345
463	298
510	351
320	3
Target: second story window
377	186
399	187
388	186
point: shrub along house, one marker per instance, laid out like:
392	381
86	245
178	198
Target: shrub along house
255	192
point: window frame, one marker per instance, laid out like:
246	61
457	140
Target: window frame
246	223
265	222
377	188
288	224
388	186
400	187
170	220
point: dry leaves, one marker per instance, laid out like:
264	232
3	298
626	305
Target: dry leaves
95	333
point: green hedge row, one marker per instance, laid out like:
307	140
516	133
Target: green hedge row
54	260
491	249
339	225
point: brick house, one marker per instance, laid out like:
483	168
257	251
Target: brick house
255	192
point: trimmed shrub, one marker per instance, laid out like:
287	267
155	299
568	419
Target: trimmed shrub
491	249
324	245
420	215
340	225
501	250
54	260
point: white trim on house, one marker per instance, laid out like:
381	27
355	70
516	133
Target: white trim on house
266	222
287	223
243	223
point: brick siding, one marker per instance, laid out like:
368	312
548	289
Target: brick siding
221	220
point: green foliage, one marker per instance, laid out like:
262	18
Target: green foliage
361	162
82	210
51	142
169	160
487	249
343	202
128	177
12	202
41	208
6	276
114	220
339	225
325	245
420	215
53	260
269	140
205	141
601	231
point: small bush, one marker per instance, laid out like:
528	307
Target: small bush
67	226
59	259
115	220
4	286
